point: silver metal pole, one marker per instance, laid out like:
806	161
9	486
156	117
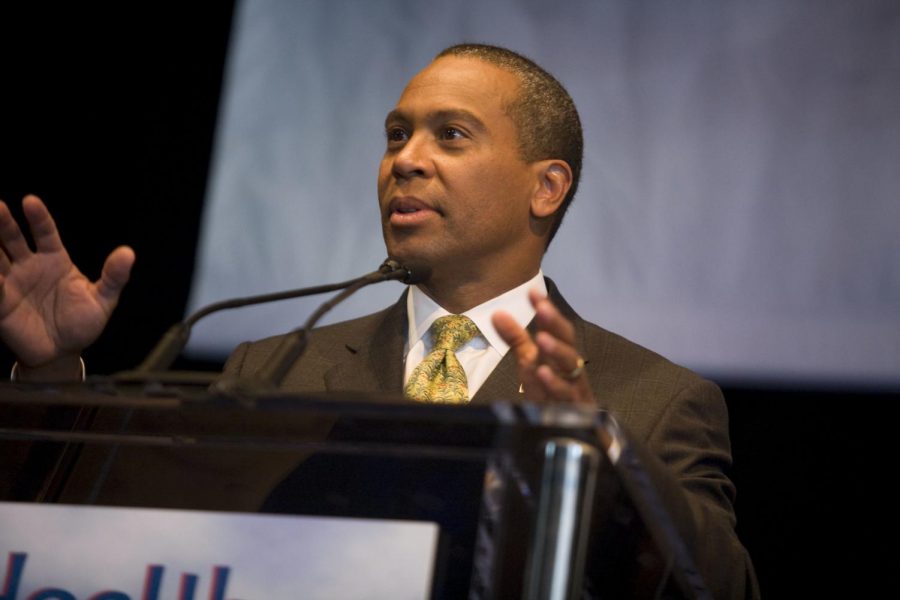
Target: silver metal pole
558	548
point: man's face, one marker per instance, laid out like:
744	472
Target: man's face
453	189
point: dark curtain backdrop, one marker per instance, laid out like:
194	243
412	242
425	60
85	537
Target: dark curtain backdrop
110	117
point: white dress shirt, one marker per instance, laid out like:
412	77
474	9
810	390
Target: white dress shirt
481	355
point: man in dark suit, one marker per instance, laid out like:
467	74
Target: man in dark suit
482	160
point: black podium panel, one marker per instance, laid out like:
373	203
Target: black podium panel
528	500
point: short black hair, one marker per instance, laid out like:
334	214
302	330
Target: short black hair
544	113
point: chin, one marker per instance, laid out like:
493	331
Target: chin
411	255
406	257
400	247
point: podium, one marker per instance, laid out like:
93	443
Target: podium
522	500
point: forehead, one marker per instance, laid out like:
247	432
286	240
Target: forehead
468	83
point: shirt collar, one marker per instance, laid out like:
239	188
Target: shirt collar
422	311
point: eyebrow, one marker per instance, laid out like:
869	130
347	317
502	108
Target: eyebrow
449	114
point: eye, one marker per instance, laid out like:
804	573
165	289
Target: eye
396	134
451	133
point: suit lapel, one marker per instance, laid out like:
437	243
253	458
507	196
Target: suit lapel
501	384
569	313
373	358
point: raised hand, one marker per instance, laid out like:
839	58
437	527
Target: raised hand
49	311
550	368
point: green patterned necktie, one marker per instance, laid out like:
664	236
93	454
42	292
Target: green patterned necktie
440	377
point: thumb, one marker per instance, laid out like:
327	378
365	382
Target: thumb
116	271
518	339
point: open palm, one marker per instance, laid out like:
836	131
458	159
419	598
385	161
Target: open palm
48	308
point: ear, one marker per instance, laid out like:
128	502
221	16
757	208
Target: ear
554	178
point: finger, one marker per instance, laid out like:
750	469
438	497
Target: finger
562	390
560	356
43	227
116	272
11	237
524	350
549	319
4	262
518	339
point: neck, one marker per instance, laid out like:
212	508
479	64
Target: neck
459	294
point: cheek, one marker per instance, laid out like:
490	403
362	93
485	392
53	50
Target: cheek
504	191
384	176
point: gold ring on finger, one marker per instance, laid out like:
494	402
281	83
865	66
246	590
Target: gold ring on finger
577	371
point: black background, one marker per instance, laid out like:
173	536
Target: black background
109	116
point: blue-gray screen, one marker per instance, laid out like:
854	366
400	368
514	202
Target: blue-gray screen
739	210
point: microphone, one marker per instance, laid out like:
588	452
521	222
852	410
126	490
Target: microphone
175	339
294	344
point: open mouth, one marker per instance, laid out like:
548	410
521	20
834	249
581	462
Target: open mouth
409	210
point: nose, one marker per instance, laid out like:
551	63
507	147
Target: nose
413	159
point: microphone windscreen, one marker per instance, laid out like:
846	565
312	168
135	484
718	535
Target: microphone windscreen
410	272
416	272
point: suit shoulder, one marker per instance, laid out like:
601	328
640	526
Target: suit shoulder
620	369
326	343
639	384
625	356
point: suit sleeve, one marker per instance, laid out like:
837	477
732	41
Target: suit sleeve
687	455
235	363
